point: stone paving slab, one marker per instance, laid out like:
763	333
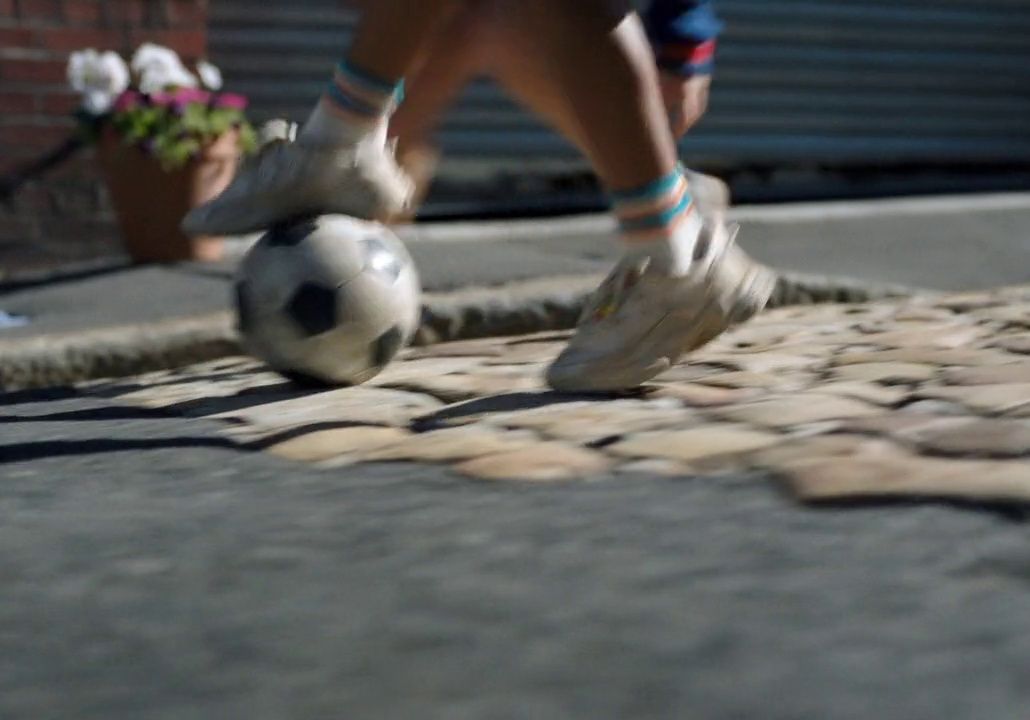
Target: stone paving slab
925	398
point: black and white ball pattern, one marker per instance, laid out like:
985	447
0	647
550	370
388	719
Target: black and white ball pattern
328	300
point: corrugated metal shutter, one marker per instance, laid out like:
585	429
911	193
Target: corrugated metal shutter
799	81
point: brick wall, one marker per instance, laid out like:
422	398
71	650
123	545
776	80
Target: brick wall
64	216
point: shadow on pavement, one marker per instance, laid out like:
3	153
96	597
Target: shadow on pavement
300	431
508	402
45	449
244	399
24	397
1006	511
51	279
93	414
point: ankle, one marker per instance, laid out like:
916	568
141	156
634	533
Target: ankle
669	255
659	221
323	127
354	109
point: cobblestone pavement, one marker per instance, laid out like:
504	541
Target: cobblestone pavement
926	397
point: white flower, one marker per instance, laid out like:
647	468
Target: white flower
149	54
210	75
160	68
99	77
158	78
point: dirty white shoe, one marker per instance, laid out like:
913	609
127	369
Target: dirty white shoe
641	321
289	179
711	196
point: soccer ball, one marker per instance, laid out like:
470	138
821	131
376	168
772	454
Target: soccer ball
327	300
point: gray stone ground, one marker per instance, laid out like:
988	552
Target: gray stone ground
155	565
152	570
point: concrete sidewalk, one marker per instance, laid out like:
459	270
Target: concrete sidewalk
843	251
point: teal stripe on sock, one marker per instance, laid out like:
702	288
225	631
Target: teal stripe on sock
349	102
373	83
652	190
657	220
367	79
368	82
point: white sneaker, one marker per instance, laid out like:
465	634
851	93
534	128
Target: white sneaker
641	321
289	179
711	196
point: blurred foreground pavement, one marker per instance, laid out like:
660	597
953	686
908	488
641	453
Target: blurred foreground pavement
451	541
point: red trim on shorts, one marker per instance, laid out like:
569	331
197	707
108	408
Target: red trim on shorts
692	54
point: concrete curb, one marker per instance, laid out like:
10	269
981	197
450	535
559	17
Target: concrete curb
517	308
603	225
555	304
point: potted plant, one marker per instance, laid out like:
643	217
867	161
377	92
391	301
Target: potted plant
167	140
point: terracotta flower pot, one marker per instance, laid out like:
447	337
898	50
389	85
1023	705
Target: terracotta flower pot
150	202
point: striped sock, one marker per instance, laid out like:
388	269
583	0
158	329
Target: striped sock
354	105
659	220
359	96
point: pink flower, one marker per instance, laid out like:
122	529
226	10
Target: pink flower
230	101
128	100
189	96
179	99
161	99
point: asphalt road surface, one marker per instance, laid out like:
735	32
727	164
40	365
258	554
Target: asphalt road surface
150	571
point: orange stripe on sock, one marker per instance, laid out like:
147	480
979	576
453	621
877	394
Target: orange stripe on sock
660	233
642	208
363	94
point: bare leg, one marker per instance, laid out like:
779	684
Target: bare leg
391	38
392	34
587	67
481	40
340	162
456	53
